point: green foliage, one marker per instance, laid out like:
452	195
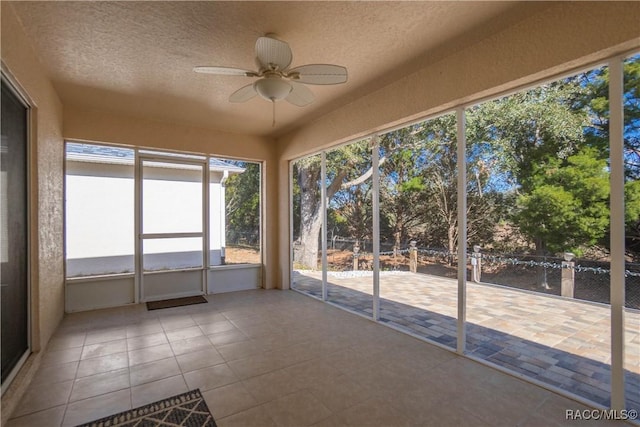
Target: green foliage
242	197
595	98
567	206
536	160
632	203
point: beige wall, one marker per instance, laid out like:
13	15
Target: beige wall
21	64
100	126
554	40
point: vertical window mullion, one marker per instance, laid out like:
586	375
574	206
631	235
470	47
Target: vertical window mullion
375	177
617	278
462	229
323	202
137	177
206	225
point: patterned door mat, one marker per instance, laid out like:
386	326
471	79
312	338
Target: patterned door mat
187	409
176	302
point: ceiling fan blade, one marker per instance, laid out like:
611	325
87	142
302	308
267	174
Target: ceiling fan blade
243	94
300	95
271	52
225	71
319	74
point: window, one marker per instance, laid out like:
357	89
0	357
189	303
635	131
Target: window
234	212
99	210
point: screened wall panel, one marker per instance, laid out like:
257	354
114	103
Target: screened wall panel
99	210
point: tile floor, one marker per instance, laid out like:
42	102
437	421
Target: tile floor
272	358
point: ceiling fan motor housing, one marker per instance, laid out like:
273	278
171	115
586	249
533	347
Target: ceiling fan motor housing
272	88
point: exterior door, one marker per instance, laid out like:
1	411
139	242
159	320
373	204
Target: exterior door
13	233
172	224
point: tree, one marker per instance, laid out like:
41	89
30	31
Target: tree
595	98
348	167
402	186
567	206
419	185
242	198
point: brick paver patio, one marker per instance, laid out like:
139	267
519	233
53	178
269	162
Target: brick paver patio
559	341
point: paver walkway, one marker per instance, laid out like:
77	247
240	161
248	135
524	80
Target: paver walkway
559	341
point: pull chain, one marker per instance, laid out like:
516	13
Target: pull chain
273	102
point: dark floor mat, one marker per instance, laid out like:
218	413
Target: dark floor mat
176	302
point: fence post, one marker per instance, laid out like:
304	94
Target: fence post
476	264
567	284
413	257
356	254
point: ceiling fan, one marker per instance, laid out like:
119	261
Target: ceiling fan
276	81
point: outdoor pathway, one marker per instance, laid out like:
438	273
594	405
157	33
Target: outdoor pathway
559	341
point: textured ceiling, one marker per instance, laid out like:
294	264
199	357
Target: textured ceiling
137	57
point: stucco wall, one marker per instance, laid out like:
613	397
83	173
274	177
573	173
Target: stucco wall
47	294
101	126
555	40
22	64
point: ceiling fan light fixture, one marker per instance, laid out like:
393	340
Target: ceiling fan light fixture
272	89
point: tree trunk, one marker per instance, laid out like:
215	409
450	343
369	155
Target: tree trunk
310	219
310	208
309	249
451	240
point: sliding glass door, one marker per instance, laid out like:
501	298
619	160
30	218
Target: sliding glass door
14	234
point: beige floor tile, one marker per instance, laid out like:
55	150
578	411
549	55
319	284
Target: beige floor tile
211	377
191	344
184	333
259	364
228	400
384	380
493	410
56	373
157	390
58	357
339	393
98	384
105	336
103	349
98	365
170	323
62	341
216	327
310	373
199	359
349	360
239	350
254	417
149	354
420	405
95	408
270	386
148	327
297	409
208	317
227	337
152	371
48	417
373	412
46	396
143	341
302	355
449	414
